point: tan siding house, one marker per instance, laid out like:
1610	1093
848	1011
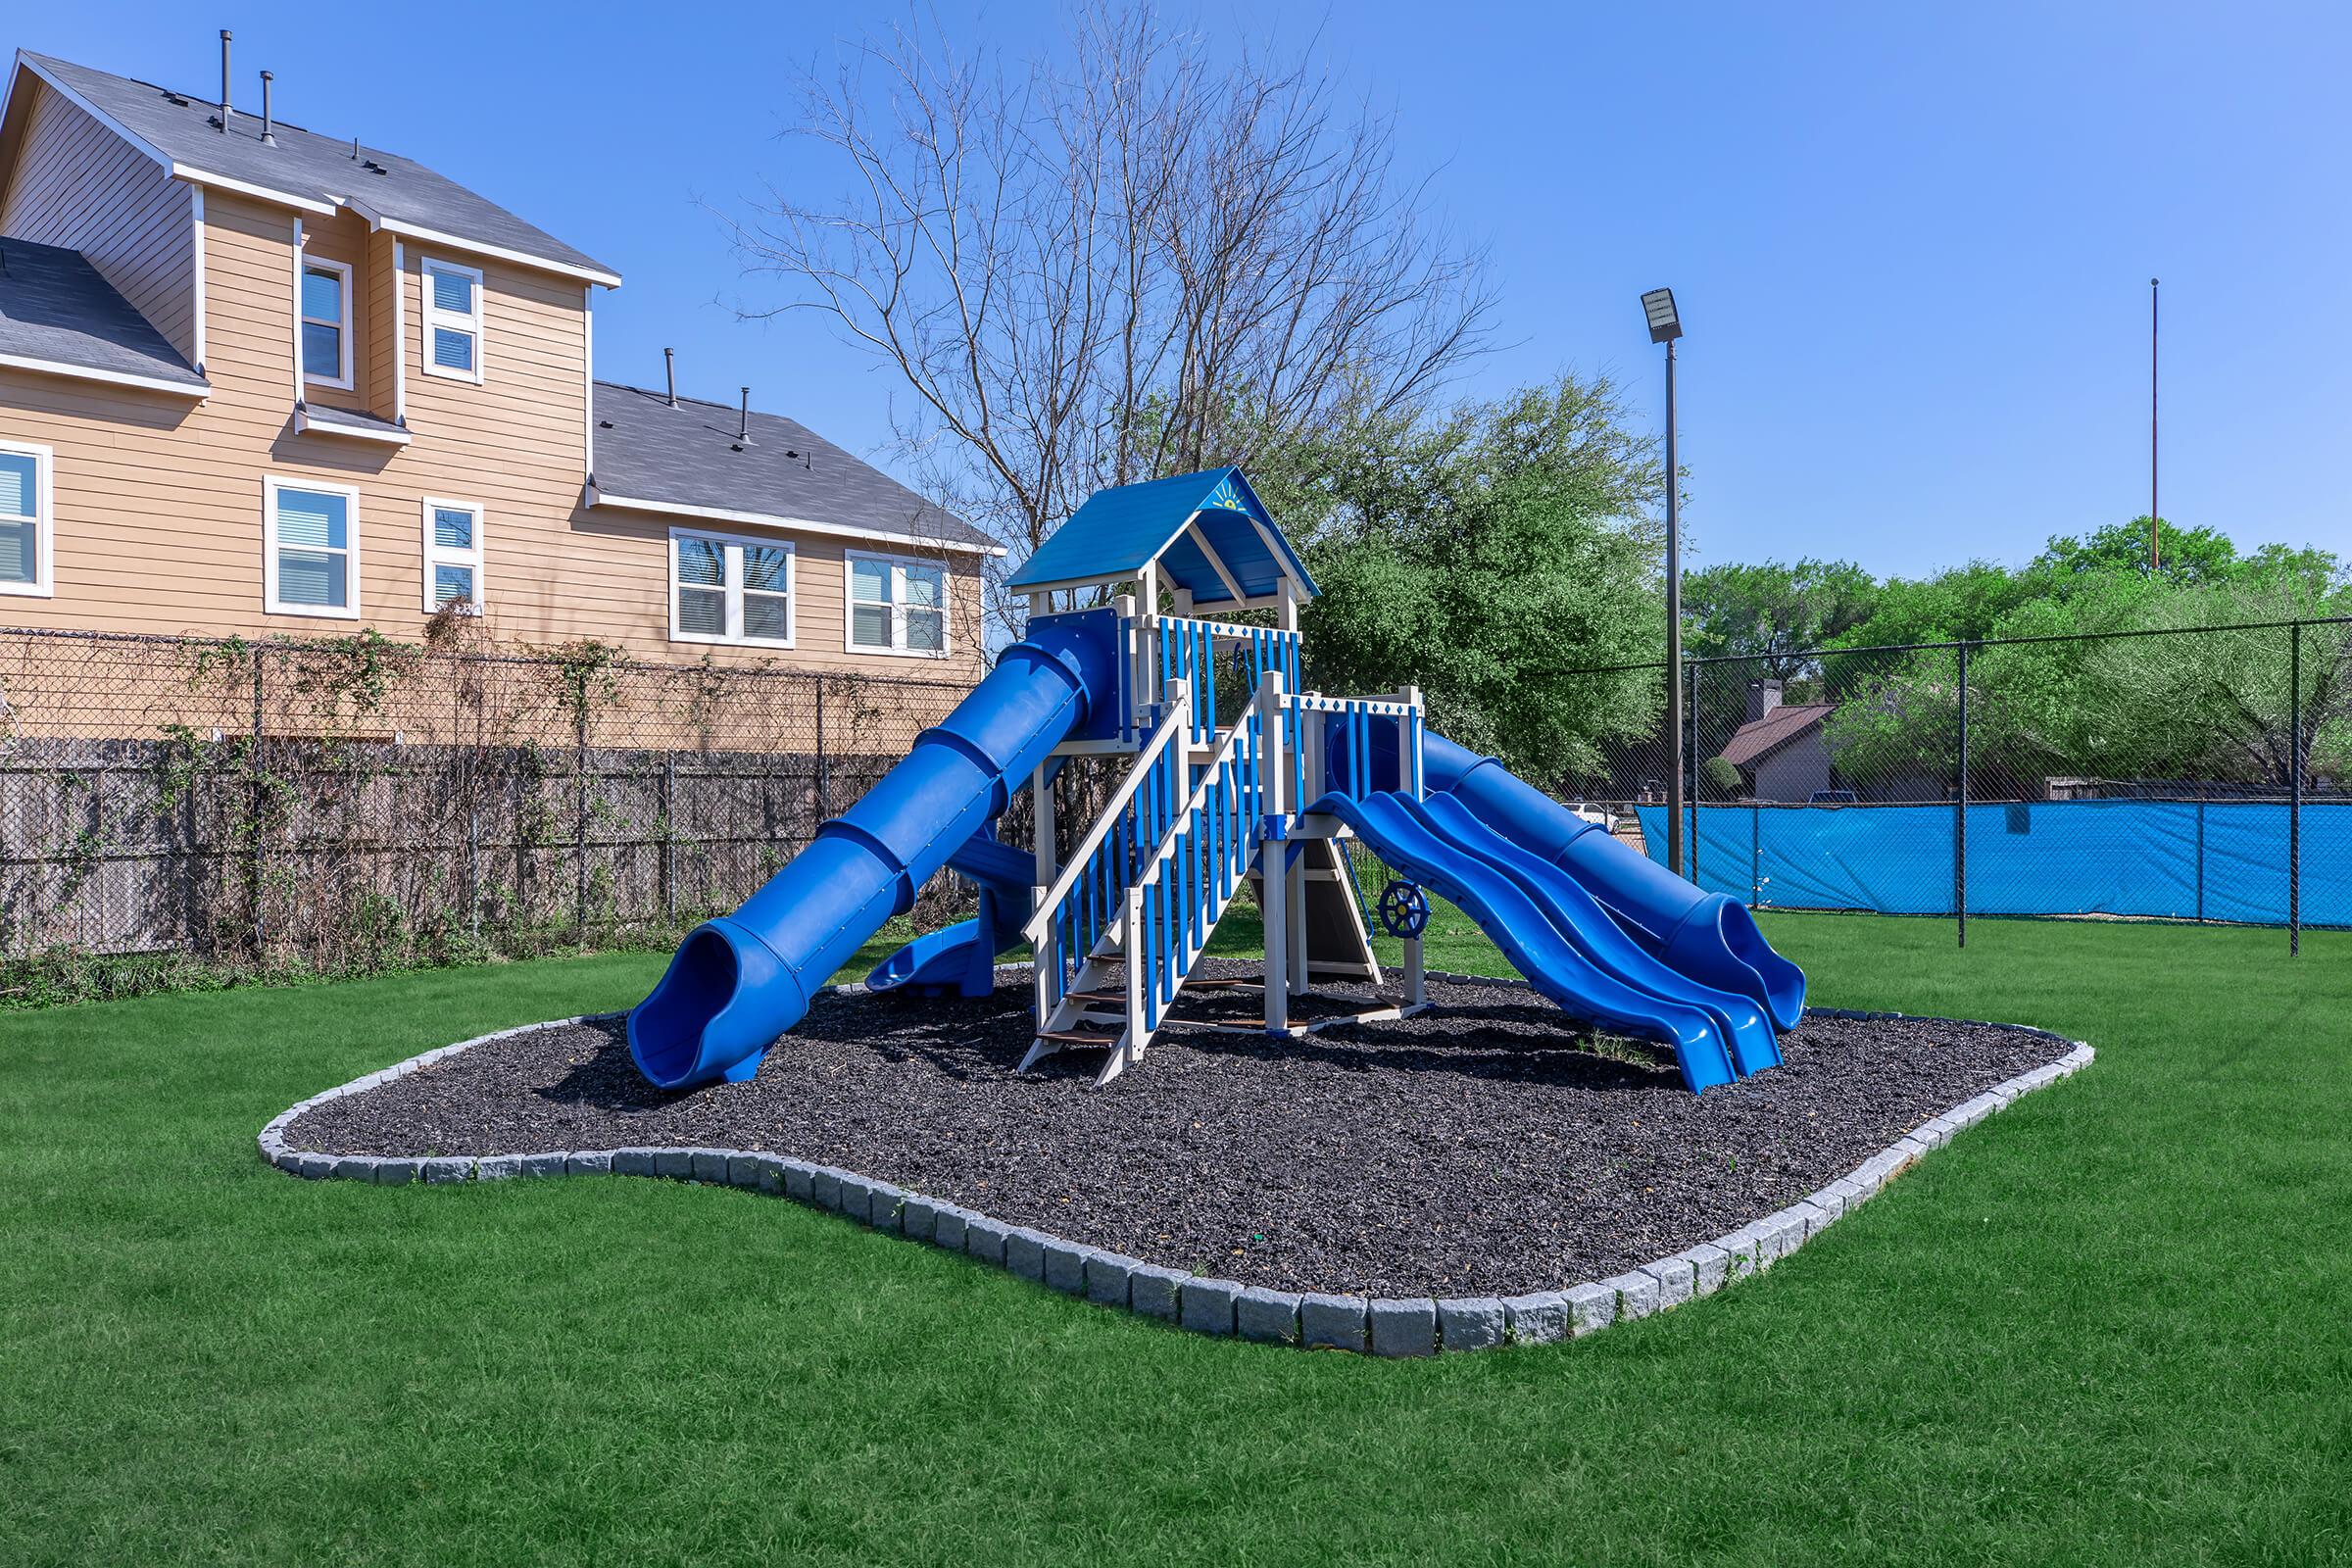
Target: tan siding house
285	386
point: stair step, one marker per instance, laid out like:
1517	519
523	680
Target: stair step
1077	1037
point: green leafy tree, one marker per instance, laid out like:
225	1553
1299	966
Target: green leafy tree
1488	555
2202	707
1776	610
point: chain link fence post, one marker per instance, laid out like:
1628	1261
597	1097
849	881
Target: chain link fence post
1690	775
2294	796
824	790
254	808
579	810
669	836
1960	814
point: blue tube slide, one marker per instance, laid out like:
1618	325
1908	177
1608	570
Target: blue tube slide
1506	914
740	981
1578	916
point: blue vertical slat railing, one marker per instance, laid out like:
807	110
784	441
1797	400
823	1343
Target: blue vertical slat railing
1186	650
1203	852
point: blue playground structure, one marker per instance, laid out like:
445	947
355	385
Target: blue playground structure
1233	777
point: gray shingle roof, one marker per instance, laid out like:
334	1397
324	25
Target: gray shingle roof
688	457
54	307
307	165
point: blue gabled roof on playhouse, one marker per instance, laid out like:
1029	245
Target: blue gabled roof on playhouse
1122	530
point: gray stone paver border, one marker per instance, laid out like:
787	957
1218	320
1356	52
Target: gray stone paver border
1224	1309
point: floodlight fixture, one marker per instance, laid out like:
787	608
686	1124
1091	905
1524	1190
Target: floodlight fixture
1664	324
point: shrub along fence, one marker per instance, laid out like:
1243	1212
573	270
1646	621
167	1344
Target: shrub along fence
174	809
2190	775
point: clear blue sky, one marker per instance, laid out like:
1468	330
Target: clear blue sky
1912	243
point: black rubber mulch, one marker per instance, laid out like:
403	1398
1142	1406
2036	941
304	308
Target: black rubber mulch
1483	1147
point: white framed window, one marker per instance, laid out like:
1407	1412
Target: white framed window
452	555
729	588
896	606
24	520
310	548
452	320
325	307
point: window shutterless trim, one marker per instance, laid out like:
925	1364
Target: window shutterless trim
440	555
341	379
731	587
44	526
896	606
432	316
349	610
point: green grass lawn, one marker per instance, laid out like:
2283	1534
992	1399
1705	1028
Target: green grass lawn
2108	1326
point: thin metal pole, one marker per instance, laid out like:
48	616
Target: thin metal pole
2200	852
1755	855
254	798
2294	807
1692	791
669	835
2155	555
1674	636
579	820
824	784
1960	814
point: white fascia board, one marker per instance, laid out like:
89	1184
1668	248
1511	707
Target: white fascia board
83	372
434	236
840	530
1119	574
283	198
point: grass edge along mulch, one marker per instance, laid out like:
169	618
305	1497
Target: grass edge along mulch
2092	1331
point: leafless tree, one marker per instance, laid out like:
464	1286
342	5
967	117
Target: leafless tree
1120	264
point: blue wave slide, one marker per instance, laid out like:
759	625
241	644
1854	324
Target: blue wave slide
1706	937
738	982
965	954
1589	927
1537	944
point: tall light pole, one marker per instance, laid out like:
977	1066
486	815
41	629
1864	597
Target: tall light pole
1664	327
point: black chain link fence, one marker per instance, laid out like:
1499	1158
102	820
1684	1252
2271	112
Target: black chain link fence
2195	774
178	808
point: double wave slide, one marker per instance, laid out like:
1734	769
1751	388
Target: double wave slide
1535	938
1708	938
1623	924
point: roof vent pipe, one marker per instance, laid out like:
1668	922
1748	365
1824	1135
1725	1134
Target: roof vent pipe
269	133
227	113
743	428
669	368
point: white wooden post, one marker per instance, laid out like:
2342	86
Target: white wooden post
1273	863
1413	986
1135	963
1045	961
1146	645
